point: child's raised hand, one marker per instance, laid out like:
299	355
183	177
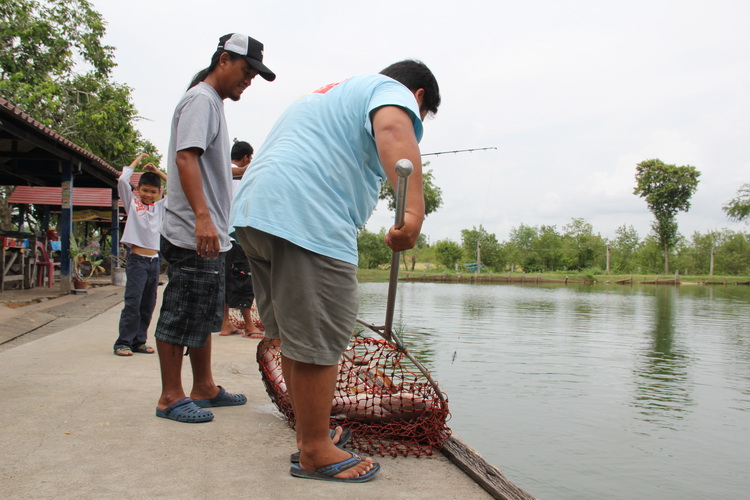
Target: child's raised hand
150	167
138	159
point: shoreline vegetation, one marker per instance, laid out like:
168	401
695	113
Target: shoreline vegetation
443	276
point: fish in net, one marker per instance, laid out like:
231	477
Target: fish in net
388	403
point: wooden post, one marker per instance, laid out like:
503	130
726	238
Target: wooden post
711	269
486	475
66	225
21	216
607	272
479	258
114	237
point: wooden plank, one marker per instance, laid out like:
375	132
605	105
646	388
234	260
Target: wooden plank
486	475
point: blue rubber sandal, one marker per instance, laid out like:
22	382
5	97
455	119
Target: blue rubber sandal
328	472
224	398
185	410
346	435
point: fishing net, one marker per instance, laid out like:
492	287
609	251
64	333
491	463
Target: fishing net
387	402
238	320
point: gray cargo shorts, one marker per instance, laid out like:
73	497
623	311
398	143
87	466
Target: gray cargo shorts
307	300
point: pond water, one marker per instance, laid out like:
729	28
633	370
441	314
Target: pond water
590	392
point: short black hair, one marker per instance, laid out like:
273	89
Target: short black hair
416	75
240	149
149	179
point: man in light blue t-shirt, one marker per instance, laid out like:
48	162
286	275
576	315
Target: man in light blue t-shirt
296	213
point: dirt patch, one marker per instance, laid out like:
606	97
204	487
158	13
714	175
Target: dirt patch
16	305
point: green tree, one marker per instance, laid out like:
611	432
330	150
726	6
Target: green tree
490	251
55	67
372	249
667	190
738	208
623	249
549	248
697	255
649	258
733	254
521	248
584	249
448	253
433	195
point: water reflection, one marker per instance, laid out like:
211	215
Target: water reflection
663	385
476	306
581	392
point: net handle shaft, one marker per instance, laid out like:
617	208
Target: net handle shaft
404	168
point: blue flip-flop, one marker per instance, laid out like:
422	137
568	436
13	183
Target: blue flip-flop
346	435
224	398
185	410
328	472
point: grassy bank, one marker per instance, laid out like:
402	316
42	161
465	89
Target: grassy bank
379	275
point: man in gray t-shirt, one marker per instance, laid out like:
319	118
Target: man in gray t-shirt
195	229
199	123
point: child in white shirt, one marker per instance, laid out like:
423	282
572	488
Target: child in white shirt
145	212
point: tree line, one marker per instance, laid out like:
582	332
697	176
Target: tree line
573	248
667	190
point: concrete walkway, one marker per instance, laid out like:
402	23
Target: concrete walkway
78	422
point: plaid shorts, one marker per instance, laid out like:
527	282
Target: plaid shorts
193	302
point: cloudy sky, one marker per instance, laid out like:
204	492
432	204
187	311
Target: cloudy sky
573	94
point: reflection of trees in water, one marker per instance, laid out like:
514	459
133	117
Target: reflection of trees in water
419	343
662	394
735	347
476	305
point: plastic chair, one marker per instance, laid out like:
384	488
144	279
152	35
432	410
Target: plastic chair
44	265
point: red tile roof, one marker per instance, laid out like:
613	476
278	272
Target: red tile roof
82	197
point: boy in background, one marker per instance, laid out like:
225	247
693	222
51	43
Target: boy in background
239	285
145	211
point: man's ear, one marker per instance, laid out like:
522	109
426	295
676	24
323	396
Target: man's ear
224	58
419	96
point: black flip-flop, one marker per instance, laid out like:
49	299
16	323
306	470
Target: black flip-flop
346	435
328	472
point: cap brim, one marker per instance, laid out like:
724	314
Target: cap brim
262	69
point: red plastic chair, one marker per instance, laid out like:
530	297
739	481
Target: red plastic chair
44	266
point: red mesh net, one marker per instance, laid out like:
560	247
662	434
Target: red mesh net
238	320
387	402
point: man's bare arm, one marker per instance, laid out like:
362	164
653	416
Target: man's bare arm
395	139
206	235
238	171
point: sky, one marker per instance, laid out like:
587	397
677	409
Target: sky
572	94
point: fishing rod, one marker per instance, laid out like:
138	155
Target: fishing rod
456	151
